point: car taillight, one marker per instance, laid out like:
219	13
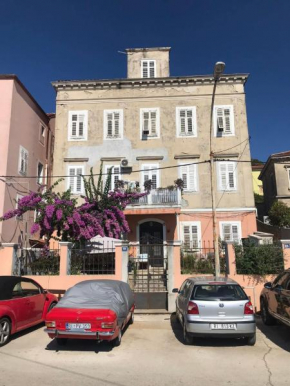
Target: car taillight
192	309
248	310
50	324
108	325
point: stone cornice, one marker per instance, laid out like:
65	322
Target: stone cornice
181	81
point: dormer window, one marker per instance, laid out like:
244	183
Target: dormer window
148	68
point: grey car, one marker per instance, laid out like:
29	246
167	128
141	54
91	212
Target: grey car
214	307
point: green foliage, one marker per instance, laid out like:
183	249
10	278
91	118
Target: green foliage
193	262
279	214
256	161
259	259
259	199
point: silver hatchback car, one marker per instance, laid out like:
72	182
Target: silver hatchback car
214	307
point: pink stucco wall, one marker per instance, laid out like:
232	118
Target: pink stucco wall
21	129
6	88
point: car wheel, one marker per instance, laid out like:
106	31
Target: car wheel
5	331
61	341
251	340
266	317
186	338
131	321
117	341
51	307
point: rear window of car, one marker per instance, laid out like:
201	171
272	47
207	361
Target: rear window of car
211	292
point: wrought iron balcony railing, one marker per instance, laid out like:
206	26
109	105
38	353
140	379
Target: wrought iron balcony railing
160	196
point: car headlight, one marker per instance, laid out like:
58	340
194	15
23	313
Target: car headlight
50	324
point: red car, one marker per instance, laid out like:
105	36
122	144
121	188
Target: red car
92	309
23	303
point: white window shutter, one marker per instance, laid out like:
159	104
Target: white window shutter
223	176
189	122
235	233
72	179
81	125
224	121
182	119
109	125
77	125
220	119
231	176
79	171
153	123
186	235
144	69
146	121
192	177
194	234
152	69
227	232
74	120
184	177
117	124
227	121
154	179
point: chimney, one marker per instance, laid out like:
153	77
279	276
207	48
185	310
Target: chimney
148	62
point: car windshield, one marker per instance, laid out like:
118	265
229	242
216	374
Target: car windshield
217	292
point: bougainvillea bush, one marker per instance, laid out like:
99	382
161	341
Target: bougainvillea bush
59	216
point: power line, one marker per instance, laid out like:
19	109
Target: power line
105	174
135	171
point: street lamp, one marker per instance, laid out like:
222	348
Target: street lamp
218	70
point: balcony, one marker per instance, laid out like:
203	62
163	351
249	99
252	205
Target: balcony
159	197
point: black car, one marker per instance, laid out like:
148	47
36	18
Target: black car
275	300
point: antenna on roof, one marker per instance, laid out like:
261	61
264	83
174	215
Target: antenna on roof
125	53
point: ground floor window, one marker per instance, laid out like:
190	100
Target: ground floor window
230	231
190	234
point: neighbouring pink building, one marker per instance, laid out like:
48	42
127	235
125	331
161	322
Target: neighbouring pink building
26	147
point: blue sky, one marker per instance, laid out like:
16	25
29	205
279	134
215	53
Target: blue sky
47	40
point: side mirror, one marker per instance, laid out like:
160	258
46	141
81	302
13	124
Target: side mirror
268	285
44	291
175	290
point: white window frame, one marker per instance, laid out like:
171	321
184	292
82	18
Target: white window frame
232	223
232	121
196	182
228	188
149	110
40	179
42	134
121	124
150	166
178	122
107	168
84	137
74	191
148	68
191	224
22	149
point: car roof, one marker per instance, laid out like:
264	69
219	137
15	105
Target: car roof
211	280
7	283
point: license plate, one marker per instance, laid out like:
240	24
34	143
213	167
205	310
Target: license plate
77	326
223	326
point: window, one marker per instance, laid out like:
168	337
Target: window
186	121
39	173
29	289
188	173
113	124
227	175
18	197
191	234
23	161
224	121
75	180
148	68
288	173
42	131
230	231
149	174
115	177
78	122
149	123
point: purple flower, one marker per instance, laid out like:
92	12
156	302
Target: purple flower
59	214
35	228
49	210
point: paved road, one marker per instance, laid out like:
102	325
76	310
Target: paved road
152	353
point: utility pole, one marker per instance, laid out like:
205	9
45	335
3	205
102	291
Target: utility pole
218	70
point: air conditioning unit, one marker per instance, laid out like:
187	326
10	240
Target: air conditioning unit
145	132
266	220
124	162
